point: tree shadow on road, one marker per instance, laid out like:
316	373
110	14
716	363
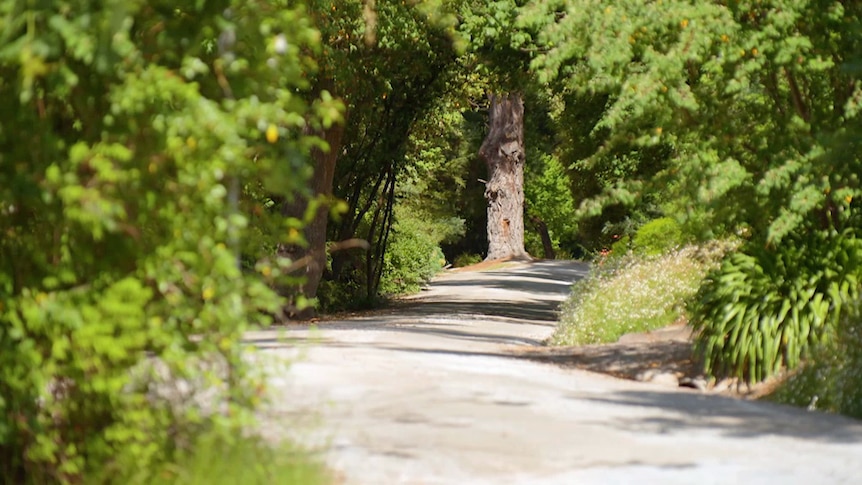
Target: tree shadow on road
731	417
541	277
522	285
532	312
620	360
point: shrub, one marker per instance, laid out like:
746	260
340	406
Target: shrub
621	246
658	236
831	380
767	308
412	258
631	294
533	242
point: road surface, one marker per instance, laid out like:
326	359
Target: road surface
430	393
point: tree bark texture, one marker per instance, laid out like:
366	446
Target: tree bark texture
503	152
314	254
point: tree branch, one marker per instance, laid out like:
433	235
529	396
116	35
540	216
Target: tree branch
798	102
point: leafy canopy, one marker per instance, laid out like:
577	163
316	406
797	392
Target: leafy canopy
753	101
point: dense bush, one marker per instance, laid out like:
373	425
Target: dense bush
767	308
132	138
632	294
652	238
413	257
658	236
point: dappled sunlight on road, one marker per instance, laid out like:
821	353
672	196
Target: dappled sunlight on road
434	391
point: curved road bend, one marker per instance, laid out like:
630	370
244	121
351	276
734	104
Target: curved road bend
429	395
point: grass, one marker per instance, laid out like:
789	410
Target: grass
247	460
218	459
632	294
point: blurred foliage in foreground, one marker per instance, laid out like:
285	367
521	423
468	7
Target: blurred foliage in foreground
137	141
221	459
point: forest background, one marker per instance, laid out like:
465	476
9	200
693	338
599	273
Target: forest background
172	175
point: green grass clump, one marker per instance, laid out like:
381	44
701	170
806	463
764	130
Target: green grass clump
631	294
248	461
466	259
218	458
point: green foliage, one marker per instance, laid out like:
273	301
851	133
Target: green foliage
437	155
739	118
413	257
632	294
466	259
766	309
495	44
129	149
548	197
658	236
218	459
334	296
733	112
651	238
832	379
428	191
390	62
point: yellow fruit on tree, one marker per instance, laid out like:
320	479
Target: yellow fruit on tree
272	133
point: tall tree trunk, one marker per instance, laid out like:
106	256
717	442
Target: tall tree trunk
314	253
503	152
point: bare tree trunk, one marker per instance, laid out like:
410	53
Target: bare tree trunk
503	152
547	244
314	253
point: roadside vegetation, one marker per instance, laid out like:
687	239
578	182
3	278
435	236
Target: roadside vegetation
829	379
214	458
631	294
140	146
228	460
645	281
738	120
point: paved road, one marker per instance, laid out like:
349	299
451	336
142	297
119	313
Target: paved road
429	394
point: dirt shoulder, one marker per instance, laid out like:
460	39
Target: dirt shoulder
636	357
664	356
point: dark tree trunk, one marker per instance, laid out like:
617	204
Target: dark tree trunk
503	152
547	244
313	255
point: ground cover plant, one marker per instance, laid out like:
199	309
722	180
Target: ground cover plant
631	294
219	459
